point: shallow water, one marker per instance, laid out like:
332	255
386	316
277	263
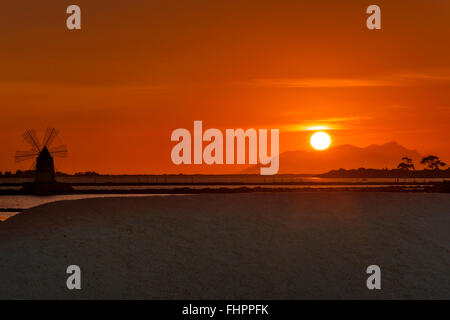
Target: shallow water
26	202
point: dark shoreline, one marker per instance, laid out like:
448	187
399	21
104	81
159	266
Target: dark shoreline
187	190
278	183
362	181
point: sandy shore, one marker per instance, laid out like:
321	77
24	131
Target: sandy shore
231	246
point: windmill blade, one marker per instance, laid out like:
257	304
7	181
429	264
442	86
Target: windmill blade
50	136
59	151
30	136
25	155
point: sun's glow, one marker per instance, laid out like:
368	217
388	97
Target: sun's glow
320	140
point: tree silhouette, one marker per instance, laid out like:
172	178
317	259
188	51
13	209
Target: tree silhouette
433	162
406	164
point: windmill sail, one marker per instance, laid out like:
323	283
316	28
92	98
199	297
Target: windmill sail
59	151
25	155
31	137
37	149
50	136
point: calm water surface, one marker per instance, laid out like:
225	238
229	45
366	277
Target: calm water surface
26	202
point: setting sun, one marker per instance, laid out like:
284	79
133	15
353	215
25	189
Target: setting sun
320	140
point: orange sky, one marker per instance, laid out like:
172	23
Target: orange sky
140	69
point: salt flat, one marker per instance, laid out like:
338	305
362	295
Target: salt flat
231	246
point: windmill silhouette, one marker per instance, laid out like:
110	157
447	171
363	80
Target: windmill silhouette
42	154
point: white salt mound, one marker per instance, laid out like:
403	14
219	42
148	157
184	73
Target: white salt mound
302	245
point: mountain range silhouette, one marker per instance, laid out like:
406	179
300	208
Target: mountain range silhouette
343	156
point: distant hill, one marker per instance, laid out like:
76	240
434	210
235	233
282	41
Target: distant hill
344	156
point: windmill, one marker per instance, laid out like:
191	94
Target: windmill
42	154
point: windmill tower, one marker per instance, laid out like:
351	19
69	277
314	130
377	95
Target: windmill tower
42	154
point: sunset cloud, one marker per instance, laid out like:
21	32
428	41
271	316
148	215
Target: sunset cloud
396	80
341	123
317	83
